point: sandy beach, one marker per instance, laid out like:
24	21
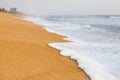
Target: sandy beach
25	54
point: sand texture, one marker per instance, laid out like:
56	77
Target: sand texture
25	55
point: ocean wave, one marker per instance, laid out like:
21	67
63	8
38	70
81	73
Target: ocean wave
115	17
90	55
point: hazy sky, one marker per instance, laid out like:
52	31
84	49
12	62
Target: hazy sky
48	7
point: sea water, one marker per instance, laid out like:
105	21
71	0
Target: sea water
95	42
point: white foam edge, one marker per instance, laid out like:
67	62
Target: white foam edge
93	69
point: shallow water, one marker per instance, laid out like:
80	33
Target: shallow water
95	42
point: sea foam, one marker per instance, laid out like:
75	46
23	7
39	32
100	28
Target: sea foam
81	51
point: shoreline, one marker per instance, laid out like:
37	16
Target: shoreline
66	40
36	62
69	49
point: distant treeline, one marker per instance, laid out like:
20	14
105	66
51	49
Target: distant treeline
12	10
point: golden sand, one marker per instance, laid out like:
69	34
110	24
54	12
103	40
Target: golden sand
25	55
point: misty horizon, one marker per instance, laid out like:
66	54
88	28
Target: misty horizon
64	7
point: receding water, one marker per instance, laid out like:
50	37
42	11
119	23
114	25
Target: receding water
95	42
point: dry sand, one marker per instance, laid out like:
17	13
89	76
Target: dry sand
24	54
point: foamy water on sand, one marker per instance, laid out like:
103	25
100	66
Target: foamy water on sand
95	42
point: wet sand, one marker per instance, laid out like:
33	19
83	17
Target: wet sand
25	54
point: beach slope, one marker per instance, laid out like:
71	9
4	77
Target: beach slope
25	54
